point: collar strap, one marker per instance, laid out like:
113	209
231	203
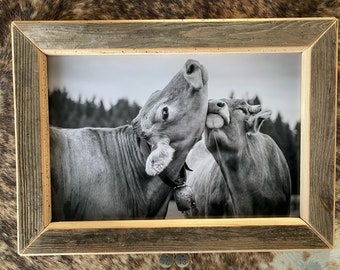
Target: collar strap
180	181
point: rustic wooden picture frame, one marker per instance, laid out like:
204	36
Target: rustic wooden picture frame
314	38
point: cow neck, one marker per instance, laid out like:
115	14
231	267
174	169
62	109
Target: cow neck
183	194
169	181
225	172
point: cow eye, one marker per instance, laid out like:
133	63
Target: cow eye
165	113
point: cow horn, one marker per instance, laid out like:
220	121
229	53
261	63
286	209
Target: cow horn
255	121
253	109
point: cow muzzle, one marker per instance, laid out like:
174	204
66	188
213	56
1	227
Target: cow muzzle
218	114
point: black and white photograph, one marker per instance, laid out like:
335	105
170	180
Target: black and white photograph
173	136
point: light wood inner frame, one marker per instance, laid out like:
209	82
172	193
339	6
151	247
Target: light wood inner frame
314	38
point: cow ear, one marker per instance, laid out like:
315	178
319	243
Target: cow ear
160	157
255	122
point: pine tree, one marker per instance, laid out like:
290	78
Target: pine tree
100	115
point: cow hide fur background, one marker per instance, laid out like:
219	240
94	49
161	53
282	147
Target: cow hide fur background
134	9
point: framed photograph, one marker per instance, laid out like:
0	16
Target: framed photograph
82	95
108	164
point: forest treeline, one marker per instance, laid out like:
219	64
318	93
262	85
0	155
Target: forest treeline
67	113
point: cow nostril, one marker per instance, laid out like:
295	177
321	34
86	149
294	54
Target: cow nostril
220	104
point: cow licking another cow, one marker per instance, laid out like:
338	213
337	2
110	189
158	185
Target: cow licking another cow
133	171
238	171
114	173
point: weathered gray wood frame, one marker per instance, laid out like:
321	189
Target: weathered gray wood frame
314	38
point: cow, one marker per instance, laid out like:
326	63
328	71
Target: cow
118	173
237	170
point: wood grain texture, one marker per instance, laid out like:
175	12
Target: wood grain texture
28	143
212	239
32	133
45	140
323	101
141	37
305	146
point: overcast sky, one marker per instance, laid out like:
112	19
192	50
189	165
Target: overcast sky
275	78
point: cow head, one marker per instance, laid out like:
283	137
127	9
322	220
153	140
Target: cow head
172	119
229	121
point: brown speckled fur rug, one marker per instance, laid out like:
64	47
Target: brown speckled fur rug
123	9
